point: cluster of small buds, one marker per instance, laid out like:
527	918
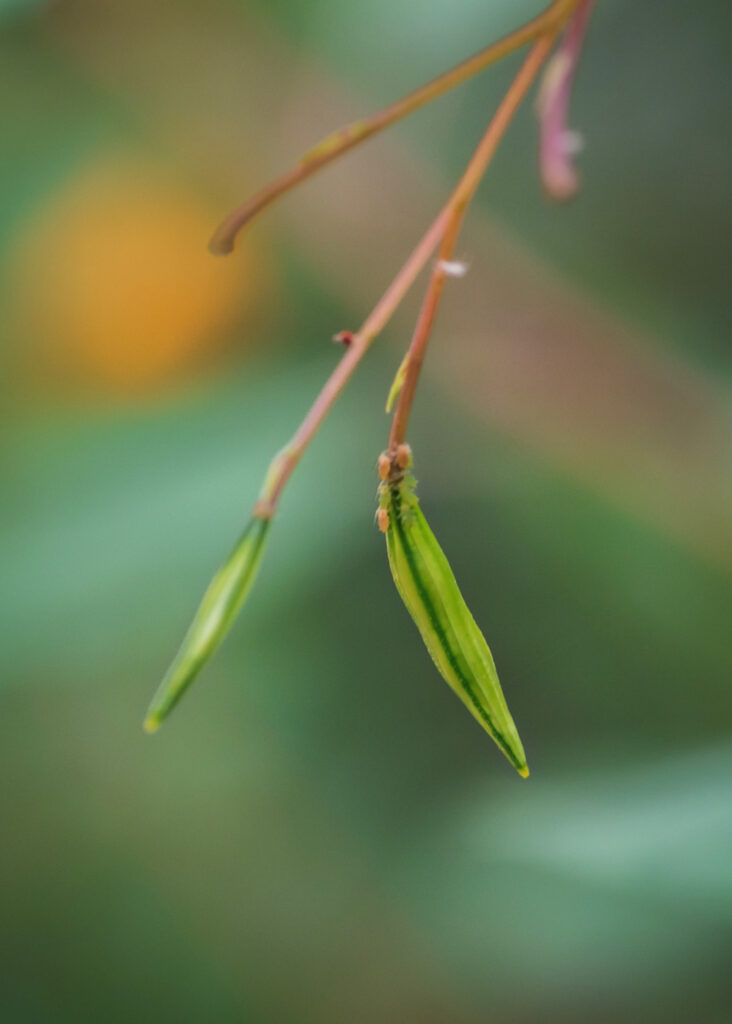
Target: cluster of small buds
394	463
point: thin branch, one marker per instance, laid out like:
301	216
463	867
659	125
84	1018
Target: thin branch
446	222
339	142
285	461
422	332
458	206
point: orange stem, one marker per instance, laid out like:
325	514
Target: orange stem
457	206
445	226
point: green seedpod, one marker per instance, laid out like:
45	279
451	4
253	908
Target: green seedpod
224	597
430	592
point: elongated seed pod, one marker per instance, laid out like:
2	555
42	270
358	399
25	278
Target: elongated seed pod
430	592
224	597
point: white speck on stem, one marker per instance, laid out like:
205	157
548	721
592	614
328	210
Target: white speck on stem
453	268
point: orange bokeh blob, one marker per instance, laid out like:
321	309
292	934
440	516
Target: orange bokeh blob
115	288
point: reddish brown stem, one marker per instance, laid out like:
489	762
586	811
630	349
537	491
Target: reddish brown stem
285	461
444	229
459	202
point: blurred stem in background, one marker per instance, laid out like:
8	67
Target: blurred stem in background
340	141
557	143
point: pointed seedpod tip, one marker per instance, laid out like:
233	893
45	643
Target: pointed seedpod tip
430	592
218	609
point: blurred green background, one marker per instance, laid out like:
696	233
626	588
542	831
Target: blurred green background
322	833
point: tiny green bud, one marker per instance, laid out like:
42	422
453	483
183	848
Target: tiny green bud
430	592
222	601
397	383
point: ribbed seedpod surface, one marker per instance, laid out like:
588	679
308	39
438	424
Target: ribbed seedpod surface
427	586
